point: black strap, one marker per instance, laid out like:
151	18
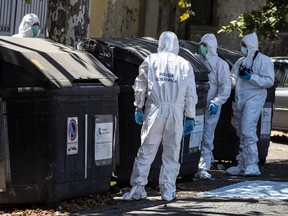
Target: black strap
255	54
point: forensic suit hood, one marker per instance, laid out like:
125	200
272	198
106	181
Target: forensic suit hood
25	27
168	42
251	42
211	43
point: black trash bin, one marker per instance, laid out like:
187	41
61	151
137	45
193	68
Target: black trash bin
124	56
58	122
265	124
226	142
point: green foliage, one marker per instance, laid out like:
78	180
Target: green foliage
268	21
28	1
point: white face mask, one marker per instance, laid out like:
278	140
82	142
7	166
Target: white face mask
244	51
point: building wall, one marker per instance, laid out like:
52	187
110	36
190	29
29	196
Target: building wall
137	18
98	10
114	18
151	16
132	18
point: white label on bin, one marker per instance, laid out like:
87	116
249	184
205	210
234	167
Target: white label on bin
72	135
197	133
266	120
103	140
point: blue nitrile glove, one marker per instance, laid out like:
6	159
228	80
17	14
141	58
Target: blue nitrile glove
189	126
139	116
246	75
213	108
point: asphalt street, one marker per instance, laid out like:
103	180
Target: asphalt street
189	202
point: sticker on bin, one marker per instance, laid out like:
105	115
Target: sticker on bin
72	135
266	117
197	134
103	139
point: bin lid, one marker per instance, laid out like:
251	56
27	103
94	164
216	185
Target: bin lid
29	62
135	50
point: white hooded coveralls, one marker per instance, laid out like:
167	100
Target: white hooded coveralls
25	26
219	92
250	96
167	82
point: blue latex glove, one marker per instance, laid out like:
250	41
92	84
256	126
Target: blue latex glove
139	116
189	126
246	75
213	108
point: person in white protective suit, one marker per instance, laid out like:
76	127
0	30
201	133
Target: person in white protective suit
251	75
219	92
29	26
167	82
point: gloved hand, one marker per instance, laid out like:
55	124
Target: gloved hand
213	108
189	126
139	116
245	75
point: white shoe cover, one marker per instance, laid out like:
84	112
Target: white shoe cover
235	170
136	193
166	194
252	170
203	174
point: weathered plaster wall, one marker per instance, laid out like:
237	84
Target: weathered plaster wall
121	19
166	17
98	11
150	18
132	18
69	21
